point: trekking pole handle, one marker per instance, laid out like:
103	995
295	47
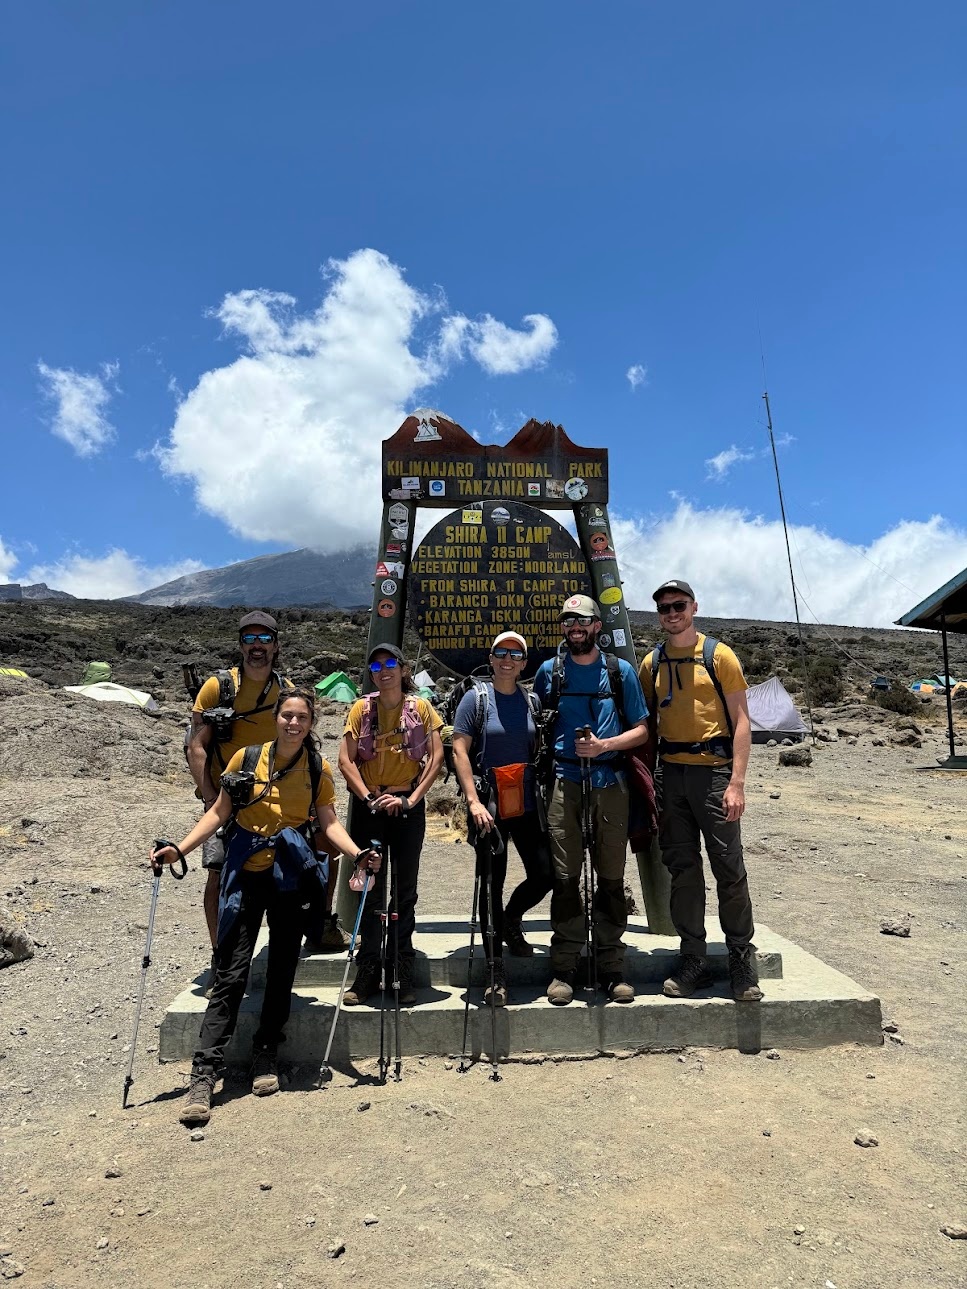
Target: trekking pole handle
160	844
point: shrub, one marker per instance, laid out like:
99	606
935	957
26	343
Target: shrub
897	699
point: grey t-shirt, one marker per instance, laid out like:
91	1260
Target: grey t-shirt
510	733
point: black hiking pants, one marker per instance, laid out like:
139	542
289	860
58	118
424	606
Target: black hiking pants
402	839
534	850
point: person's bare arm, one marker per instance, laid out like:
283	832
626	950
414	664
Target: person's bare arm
461	763
430	769
199	764
210	822
349	769
338	839
733	799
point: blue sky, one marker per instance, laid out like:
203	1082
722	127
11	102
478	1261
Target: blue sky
499	211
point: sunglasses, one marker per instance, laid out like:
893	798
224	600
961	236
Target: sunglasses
571	618
674	606
263	637
501	651
389	664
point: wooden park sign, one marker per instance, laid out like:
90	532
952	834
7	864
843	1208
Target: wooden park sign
497	562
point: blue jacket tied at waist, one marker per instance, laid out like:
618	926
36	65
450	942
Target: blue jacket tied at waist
297	867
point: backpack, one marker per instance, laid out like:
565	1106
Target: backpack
251	759
720	746
480	718
416	745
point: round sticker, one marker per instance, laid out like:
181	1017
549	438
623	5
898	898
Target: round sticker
500	515
386	608
615	610
575	489
604	640
388	587
611	595
598	541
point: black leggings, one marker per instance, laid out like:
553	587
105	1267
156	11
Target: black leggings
402	838
534	850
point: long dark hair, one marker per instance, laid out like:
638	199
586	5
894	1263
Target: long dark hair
307	696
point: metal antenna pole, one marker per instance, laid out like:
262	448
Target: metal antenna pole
792	577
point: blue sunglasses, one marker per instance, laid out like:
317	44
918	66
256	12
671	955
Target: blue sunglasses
389	664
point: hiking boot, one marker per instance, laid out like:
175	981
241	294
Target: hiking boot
514	939
265	1072
561	989
407	992
198	1103
617	989
690	975
332	940
364	986
743	975
500	985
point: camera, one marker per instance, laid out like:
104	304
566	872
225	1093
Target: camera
222	721
239	785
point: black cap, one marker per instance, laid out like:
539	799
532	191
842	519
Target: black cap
675	584
258	619
385	648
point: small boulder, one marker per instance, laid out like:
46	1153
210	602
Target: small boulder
15	944
954	1231
800	755
866	1140
899	926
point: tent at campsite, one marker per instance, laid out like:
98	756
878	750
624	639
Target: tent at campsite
339	687
773	714
15	672
108	692
96	673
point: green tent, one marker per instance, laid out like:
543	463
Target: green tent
96	673
339	687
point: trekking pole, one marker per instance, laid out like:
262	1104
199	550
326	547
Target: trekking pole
157	869
463	1067
587	842
384	917
394	917
325	1071
489	887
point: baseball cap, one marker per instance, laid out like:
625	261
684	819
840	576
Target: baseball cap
674	584
385	648
505	636
582	605
258	619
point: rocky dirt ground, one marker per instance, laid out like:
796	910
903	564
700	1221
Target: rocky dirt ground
687	1170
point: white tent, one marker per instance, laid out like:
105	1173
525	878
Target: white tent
106	691
773	714
423	680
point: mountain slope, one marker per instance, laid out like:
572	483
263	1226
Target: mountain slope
295	577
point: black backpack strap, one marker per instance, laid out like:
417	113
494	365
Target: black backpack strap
251	758
708	662
227	688
617	684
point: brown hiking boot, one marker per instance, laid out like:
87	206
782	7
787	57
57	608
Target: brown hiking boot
198	1103
364	986
690	975
514	939
265	1072
500	985
407	992
332	940
561	989
743	975
617	989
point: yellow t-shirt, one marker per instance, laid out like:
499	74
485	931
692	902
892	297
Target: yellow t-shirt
695	713
285	805
390	767
247	729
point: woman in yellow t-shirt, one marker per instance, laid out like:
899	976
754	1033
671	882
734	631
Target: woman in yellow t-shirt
390	754
277	808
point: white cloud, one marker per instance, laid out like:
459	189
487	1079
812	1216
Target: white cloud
717	467
81	399
283	443
737	565
8	562
637	375
106	577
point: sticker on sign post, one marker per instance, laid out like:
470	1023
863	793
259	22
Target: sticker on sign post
438	488
388	587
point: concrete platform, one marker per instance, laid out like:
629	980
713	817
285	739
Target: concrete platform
810	1005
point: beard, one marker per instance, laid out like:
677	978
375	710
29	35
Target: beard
580	647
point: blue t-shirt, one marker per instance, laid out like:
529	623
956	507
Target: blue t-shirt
586	700
510	733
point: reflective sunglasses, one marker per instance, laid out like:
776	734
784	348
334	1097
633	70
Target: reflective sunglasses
389	664
676	606
263	637
501	651
571	618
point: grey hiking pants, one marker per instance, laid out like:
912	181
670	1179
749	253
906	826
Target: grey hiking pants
690	808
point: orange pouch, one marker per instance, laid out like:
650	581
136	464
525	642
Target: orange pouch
509	782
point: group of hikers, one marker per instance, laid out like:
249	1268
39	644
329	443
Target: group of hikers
269	815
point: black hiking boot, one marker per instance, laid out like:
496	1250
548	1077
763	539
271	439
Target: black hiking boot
689	976
265	1072
407	992
500	984
744	975
197	1109
514	939
364	986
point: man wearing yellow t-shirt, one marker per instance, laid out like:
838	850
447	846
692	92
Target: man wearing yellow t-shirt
704	739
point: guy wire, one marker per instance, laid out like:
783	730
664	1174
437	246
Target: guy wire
792	577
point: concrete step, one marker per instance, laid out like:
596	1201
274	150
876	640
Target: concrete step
443	946
810	1006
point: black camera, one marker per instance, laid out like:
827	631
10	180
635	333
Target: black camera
239	785
222	721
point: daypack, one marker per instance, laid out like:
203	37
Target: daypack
416	745
720	746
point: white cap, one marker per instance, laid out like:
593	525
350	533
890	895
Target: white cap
505	636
